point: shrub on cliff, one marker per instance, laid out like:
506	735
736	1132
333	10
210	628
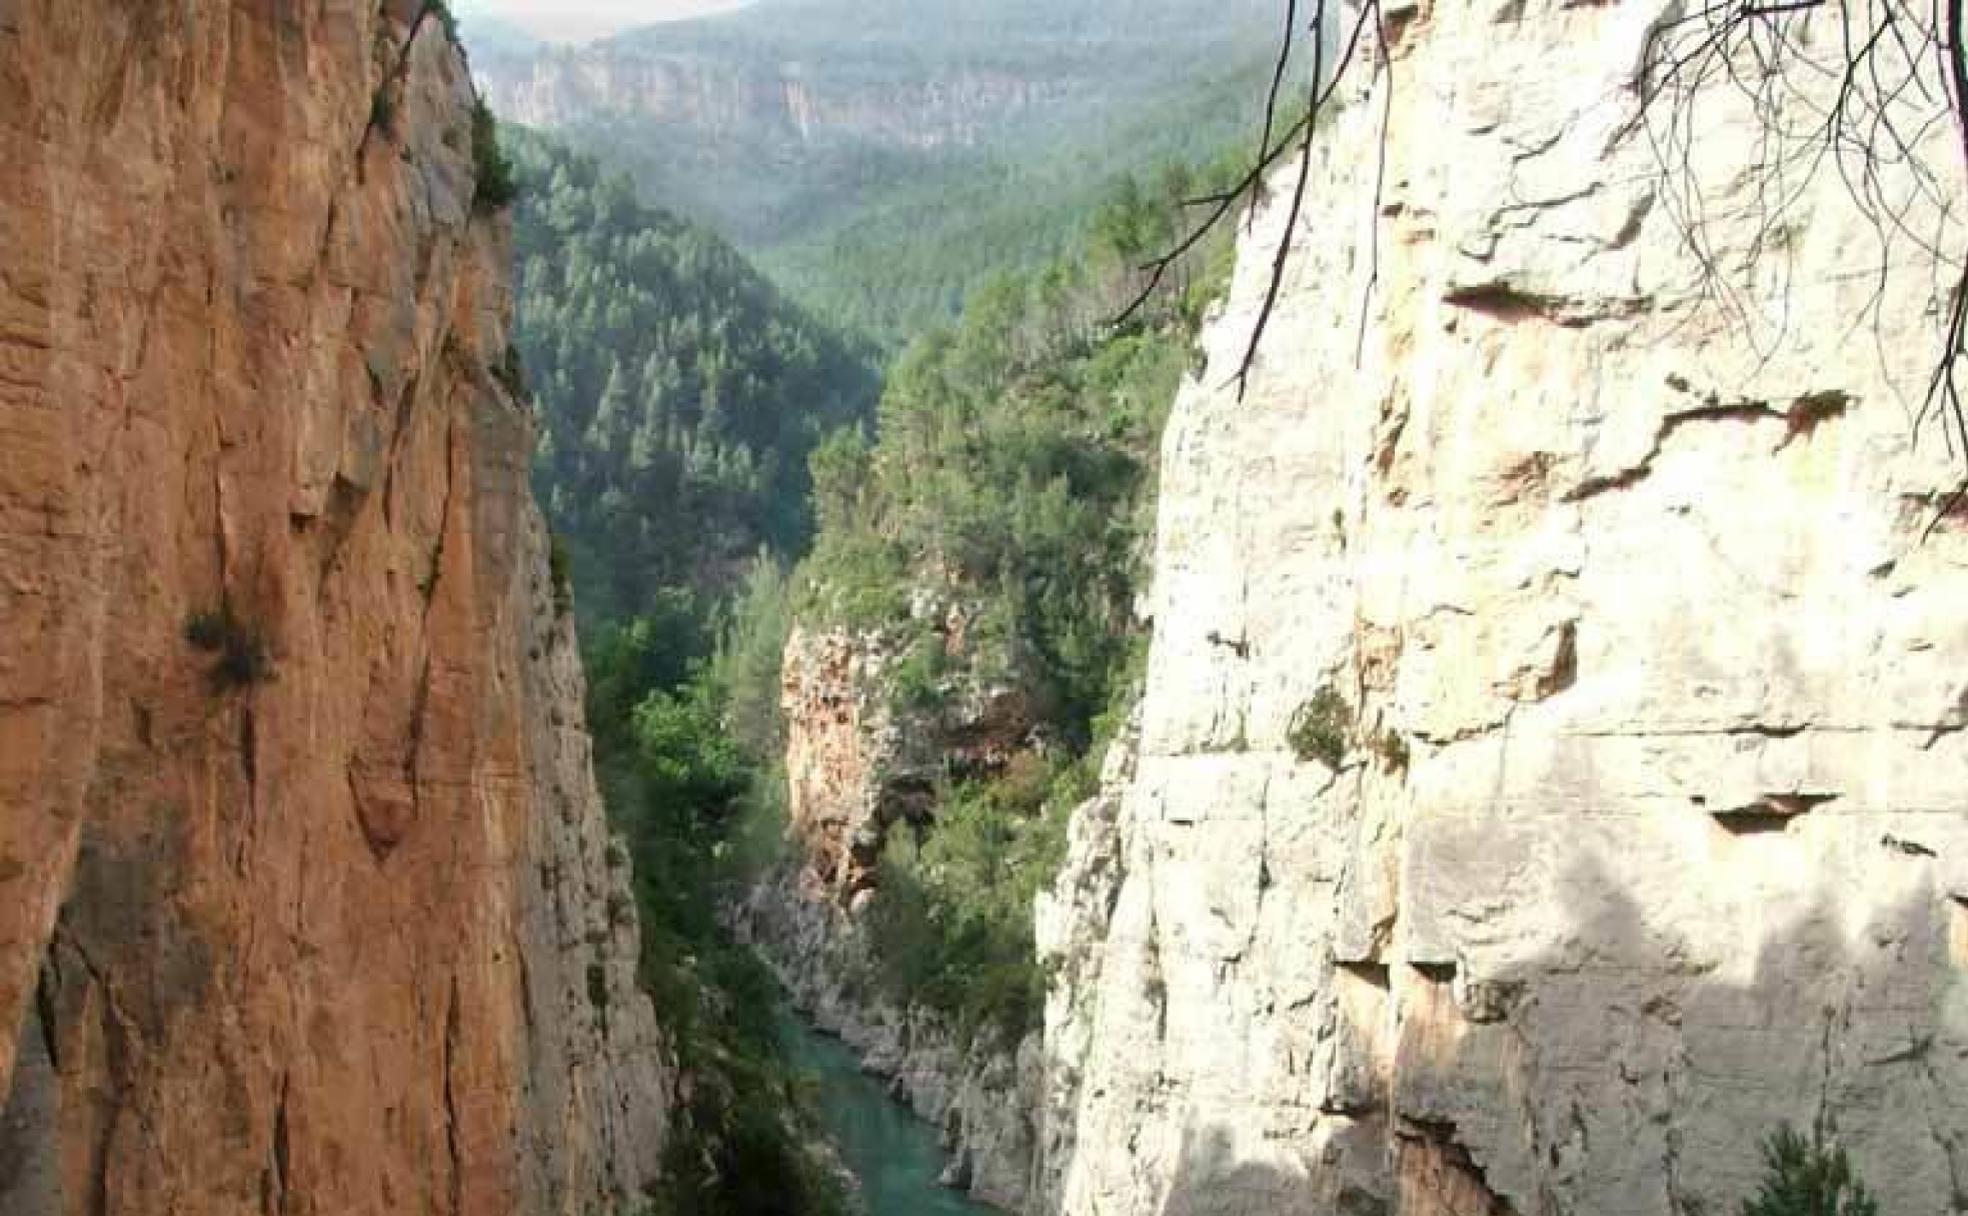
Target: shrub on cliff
497	187
1318	728
243	658
951	924
1807	1178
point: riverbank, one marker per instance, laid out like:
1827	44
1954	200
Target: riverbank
895	1156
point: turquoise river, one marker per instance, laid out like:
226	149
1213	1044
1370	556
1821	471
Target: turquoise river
893	1153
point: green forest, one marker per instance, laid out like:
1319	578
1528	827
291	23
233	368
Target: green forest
714	461
679	396
950	141
680	392
1011	470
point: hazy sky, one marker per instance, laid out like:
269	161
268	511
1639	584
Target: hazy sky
580	20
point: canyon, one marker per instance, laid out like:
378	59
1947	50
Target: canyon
306	902
1546	781
1548	776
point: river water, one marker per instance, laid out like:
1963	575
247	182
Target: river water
893	1153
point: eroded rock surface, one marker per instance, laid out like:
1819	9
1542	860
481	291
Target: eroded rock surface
863	760
1649	826
315	914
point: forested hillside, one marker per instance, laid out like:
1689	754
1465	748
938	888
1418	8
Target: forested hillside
680	396
698	427
679	390
990	541
883	158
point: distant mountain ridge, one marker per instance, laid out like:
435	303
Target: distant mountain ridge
812	132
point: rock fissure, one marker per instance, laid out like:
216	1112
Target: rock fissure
455	1175
1802	417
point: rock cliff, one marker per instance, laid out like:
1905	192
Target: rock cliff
1584	793
759	99
862	761
305	894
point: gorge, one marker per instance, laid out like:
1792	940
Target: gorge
1497	747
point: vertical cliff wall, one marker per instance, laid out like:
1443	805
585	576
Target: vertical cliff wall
1628	811
304	895
859	765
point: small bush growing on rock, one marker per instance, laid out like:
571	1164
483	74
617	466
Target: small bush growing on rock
560	567
1318	729
917	681
1806	1178
497	187
241	650
382	111
1393	750
598	987
510	372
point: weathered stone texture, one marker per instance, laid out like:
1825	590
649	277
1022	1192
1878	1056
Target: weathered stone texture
860	764
1652	830
343	939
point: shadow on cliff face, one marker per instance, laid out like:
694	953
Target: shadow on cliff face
1637	1061
1633	1063
1210	1180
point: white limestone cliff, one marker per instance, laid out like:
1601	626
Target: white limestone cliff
1651	830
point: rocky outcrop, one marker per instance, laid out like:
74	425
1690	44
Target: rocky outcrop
799	104
305	903
866	756
846	775
1584	795
877	723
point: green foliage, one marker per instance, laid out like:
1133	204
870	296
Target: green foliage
683	703
598	989
382	110
1807	1178
1015	462
1320	727
510	372
1055	101
656	651
680	394
686	757
952	924
747	663
1013	474
916	681
1393	750
208	630
497	188
680	398
241	650
560	572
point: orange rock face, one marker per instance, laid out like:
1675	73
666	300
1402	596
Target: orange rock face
840	740
315	914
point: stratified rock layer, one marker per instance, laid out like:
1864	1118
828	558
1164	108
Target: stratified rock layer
327	926
1648	827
